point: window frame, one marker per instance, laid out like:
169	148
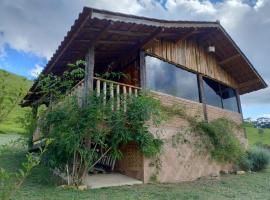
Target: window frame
200	88
182	68
220	92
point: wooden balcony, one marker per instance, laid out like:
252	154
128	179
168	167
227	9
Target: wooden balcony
112	91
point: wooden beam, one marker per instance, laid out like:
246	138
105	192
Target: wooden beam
119	32
142	70
106	42
202	96
101	33
248	83
116	42
147	40
229	59
129	33
89	73
140	45
186	35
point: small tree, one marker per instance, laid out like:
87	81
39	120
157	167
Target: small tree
11	182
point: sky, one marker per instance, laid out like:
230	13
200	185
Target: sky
31	30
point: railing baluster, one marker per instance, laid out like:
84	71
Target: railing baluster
111	95
125	98
101	89
129	91
98	88
104	92
118	96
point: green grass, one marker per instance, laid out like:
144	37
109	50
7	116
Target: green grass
254	136
42	185
14	84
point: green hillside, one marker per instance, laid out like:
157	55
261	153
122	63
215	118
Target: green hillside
254	136
16	87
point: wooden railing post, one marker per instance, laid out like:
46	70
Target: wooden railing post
118	96
89	73
136	92
104	92
112	95
98	87
125	98
130	91
142	70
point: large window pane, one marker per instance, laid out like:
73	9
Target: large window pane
229	98
167	78
212	92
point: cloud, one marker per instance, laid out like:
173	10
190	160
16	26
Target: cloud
40	26
36	71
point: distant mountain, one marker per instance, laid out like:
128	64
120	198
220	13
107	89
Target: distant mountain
14	85
261	122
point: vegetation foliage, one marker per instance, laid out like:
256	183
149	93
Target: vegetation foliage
41	185
53	87
12	89
257	158
225	147
10	182
85	134
221	139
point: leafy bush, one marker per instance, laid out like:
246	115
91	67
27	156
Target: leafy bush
245	163
79	131
255	159
225	145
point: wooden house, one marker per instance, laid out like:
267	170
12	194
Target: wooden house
192	63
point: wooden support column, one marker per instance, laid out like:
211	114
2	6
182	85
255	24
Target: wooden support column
239	103
89	73
142	70
34	110
240	109
202	96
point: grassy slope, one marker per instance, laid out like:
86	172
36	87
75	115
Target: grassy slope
254	136
40	186
14	83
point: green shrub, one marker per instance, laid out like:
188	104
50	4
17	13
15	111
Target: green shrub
225	145
255	159
245	163
78	131
260	158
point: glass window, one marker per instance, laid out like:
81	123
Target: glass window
219	95
229	98
212	92
167	78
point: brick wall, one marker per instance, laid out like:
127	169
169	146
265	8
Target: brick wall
131	163
189	159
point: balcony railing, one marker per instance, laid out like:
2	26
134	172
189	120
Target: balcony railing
111	90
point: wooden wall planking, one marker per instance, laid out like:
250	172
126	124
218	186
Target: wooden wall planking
193	57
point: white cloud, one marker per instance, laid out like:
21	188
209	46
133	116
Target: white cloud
39	26
265	115
36	71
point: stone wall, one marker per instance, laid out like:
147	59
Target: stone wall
188	159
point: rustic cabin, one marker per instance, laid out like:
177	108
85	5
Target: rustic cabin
191	63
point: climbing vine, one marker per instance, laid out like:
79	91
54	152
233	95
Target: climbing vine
219	137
